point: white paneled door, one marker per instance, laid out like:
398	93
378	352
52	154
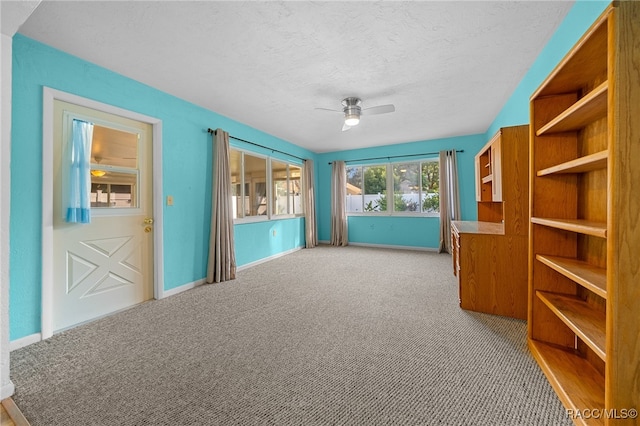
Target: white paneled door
106	265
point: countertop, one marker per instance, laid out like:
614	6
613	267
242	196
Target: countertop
471	227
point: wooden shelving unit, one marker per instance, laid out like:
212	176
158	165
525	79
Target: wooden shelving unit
584	245
490	255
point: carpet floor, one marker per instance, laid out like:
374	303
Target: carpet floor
327	336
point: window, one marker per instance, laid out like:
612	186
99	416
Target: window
248	184
115	174
412	187
430	194
287	190
253	186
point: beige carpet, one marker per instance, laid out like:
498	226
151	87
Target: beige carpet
327	336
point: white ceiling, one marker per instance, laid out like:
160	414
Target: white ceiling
448	67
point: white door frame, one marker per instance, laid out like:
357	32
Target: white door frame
49	95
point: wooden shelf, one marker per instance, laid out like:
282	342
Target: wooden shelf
597	229
587	163
582	319
487	179
578	384
588	109
588	276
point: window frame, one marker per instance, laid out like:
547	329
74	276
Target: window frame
390	193
269	181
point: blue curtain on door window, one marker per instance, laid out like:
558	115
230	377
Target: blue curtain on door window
79	209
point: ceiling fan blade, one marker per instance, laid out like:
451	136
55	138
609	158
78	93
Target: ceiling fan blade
380	109
330	110
346	127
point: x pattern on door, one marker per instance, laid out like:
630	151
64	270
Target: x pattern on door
100	265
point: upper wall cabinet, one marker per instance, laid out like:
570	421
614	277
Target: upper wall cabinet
584	248
502	175
488	164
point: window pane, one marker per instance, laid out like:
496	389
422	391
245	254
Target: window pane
354	189
114	189
430	187
295	189
280	192
235	164
112	153
375	188
406	187
255	179
99	195
111	147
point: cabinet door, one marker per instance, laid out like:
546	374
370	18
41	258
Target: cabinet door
478	179
496	166
455	251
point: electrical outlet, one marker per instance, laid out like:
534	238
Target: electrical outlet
169	200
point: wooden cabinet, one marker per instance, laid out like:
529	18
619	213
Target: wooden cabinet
491	268
490	255
584	250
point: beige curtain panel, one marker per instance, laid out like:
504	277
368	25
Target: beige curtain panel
311	233
222	258
449	197
339	231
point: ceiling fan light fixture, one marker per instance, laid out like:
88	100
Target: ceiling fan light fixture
352	111
98	173
351	119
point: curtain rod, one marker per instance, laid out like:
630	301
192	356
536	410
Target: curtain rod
210	130
398	156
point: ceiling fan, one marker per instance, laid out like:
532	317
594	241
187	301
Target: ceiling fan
352	110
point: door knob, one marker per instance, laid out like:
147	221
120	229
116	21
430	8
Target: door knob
148	221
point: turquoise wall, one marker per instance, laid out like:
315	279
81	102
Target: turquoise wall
421	232
186	174
263	239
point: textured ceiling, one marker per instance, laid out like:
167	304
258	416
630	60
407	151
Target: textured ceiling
448	67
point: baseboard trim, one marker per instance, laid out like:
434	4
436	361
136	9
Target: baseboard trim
266	259
24	341
189	286
391	246
184	287
7	391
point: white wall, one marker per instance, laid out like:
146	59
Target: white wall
6	386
